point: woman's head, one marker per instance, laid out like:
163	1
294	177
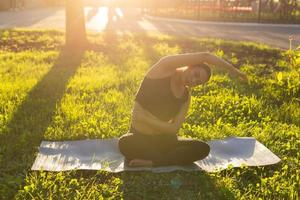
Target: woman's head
196	75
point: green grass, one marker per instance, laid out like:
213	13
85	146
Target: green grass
47	93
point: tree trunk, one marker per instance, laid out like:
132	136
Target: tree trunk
75	25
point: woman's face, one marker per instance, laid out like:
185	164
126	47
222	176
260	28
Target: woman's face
194	76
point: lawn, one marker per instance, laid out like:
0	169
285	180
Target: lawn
48	93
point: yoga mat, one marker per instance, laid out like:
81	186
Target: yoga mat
104	154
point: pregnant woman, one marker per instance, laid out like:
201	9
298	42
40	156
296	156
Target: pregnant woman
160	108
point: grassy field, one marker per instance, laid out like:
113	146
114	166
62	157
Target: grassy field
47	93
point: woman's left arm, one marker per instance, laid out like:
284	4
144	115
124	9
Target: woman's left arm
181	115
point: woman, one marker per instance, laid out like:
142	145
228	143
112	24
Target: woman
160	107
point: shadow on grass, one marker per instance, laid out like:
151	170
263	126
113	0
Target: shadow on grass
173	185
26	129
130	185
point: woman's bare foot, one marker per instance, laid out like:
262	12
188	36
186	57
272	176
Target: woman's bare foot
140	163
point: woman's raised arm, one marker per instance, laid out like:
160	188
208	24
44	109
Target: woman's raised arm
168	64
224	65
187	59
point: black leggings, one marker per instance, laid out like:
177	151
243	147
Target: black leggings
162	150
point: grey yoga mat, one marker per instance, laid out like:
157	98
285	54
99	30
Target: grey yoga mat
104	154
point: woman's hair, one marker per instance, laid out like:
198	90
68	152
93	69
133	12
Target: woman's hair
205	67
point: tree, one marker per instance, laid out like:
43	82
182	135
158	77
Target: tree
75	25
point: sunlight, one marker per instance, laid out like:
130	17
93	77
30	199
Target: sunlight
147	25
97	19
119	13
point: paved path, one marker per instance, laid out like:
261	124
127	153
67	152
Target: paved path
130	20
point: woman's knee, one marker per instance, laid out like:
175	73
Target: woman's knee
124	143
206	149
203	148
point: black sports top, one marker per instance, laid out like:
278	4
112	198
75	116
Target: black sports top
155	95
